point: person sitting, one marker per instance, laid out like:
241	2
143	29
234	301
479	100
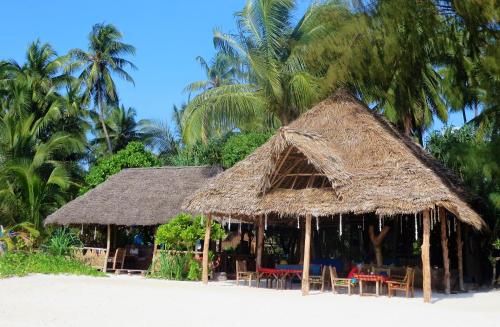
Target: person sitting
355	270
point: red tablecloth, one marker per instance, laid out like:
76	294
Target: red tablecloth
278	271
371	278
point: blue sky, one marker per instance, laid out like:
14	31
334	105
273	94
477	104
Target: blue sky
168	36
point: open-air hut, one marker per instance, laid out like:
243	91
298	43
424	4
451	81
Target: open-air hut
133	197
339	158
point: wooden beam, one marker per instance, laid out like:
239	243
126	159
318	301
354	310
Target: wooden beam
426	262
460	261
108	248
206	246
260	243
444	246
277	180
307	256
280	164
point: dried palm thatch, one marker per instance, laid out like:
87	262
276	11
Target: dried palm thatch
338	158
136	196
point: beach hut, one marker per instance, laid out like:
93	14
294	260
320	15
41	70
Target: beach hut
133	197
339	158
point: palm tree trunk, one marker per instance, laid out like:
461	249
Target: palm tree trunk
464	116
103	123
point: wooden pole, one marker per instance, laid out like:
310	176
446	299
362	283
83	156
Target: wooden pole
307	256
108	248
206	246
260	243
301	244
460	260
426	262
444	246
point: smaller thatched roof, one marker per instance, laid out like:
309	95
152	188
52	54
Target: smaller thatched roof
136	196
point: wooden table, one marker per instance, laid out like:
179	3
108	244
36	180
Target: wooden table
278	275
377	279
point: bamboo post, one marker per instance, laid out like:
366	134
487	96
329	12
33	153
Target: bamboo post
444	246
206	246
260	243
108	248
307	256
426	262
460	260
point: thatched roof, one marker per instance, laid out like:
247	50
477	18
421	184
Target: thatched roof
339	157
136	196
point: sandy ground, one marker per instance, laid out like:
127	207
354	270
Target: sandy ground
66	301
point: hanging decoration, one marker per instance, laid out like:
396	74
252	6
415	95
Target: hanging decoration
265	221
317	223
438	216
401	225
95	232
298	223
454	224
340	226
81	230
229	224
416	228
363	222
379	224
239	228
448	222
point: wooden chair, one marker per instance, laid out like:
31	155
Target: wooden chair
243	274
118	259
319	280
404	285
339	282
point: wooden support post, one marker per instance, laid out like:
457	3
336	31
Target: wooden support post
108	248
444	246
426	262
206	247
307	256
301	243
460	260
260	243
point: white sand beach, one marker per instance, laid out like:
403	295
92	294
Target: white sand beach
66	301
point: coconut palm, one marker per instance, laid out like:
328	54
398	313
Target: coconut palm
103	60
32	180
277	84
221	70
121	125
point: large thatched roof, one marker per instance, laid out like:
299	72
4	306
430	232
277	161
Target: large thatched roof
338	158
136	196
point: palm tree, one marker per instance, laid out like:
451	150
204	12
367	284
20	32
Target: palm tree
121	125
32	180
277	83
221	70
103	60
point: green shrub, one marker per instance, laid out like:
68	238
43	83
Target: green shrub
172	266
182	232
21	264
239	146
194	272
61	242
134	155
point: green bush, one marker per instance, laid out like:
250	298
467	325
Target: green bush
61	242
182	232
21	264
239	146
194	272
174	266
134	155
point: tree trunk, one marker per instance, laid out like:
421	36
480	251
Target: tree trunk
460	258
444	246
206	246
464	115
260	243
103	123
377	242
426	260
307	256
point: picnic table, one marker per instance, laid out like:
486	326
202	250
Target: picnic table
278	275
377	279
